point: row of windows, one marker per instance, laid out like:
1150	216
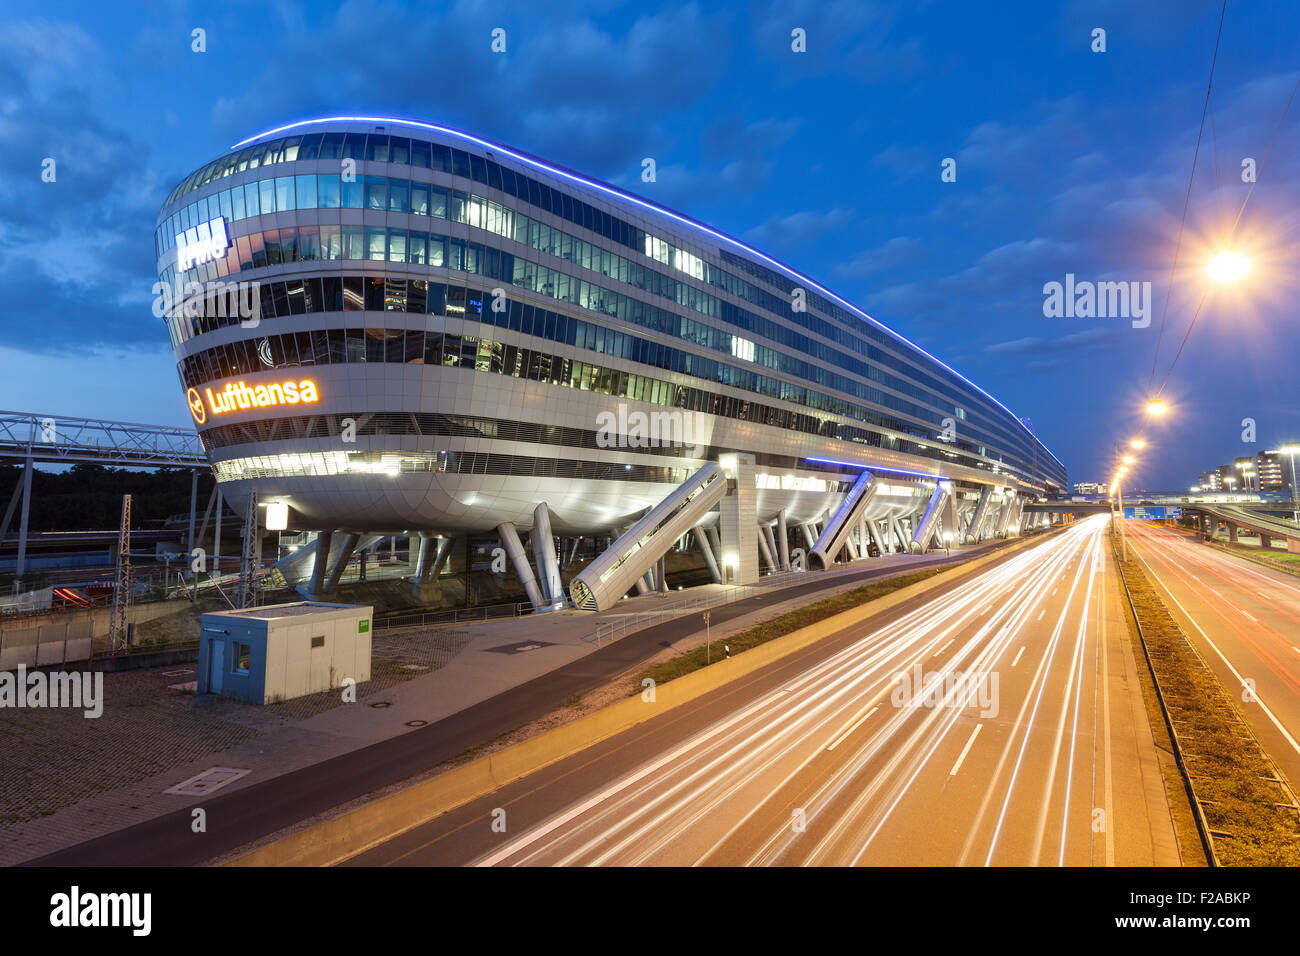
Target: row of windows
379	193
441	158
307	243
417	346
328	463
306	427
401	150
376	294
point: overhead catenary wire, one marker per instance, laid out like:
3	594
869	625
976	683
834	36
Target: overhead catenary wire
1205	108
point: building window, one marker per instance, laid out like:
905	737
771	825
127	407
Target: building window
240	660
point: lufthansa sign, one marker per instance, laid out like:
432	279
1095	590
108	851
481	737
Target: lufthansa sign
238	395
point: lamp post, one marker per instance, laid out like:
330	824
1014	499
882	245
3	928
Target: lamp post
1290	451
1120	471
708	640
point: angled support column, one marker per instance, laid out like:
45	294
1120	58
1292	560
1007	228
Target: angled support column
702	542
324	540
783	541
874	531
808	538
767	534
948	518
925	528
604	582
346	549
765	549
22	520
1004	517
973	531
515	552
715	541
544	553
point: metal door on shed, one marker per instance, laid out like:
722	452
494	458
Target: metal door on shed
216	665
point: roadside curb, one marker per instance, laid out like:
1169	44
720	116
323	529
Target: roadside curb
334	840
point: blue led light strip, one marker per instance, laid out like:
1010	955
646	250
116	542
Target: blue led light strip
892	471
660	210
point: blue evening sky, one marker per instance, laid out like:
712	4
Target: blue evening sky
1067	161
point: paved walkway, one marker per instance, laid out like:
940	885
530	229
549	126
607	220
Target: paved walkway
85	779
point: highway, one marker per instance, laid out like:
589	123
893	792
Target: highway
997	723
1244	619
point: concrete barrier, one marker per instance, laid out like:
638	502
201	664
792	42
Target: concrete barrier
356	831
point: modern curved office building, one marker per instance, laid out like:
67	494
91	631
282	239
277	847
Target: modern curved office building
394	327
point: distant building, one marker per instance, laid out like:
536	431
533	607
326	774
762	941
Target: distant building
1272	475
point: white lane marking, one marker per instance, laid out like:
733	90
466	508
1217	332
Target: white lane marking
1295	745
1054	590
944	648
1018	653
1296	649
856	720
1249	615
1040	615
965	750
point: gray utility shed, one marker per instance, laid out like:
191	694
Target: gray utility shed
267	654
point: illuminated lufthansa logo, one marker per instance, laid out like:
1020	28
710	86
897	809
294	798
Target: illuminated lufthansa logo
196	406
237	395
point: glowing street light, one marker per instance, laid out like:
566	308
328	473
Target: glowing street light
1129	459
1157	407
1228	266
1137	443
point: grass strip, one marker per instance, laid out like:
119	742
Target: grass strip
1281	560
1239	789
781	625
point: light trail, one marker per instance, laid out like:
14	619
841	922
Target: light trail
808	746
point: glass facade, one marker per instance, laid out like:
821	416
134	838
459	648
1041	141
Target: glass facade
362	230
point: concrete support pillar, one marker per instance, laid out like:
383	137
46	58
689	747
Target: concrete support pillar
783	541
346	550
1265	541
544	552
515	552
809	538
715	541
1232	532
739	520
324	540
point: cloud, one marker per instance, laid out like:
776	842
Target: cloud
890	255
800	228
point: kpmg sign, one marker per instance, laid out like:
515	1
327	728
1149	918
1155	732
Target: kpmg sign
202	243
1154	513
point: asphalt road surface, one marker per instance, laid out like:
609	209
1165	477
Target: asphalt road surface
1244	618
249	813
998	722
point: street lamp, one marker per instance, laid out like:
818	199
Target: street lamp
1117	484
1157	407
1245	468
1228	266
1137	443
1129	459
1292	450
